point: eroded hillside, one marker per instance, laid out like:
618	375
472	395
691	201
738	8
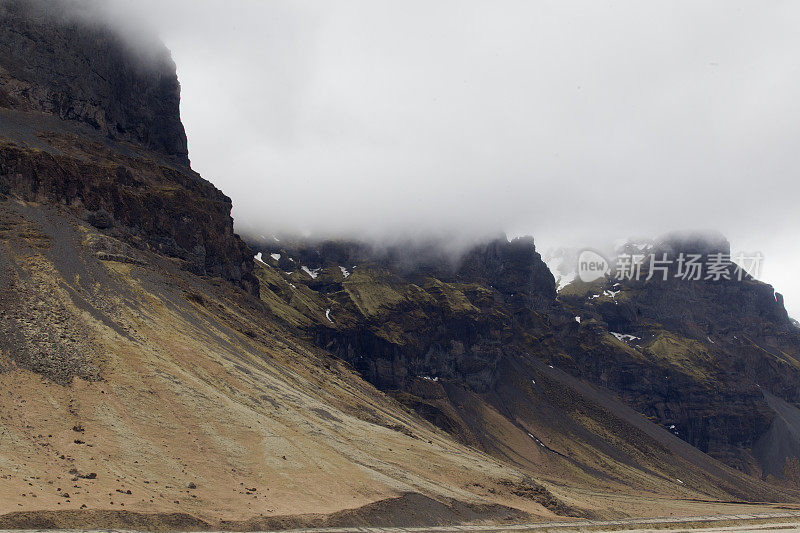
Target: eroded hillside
489	352
709	361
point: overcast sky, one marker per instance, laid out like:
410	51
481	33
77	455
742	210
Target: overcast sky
576	122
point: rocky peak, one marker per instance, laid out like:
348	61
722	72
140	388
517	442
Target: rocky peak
704	244
58	62
512	267
677	345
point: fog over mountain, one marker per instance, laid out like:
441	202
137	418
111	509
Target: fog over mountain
578	124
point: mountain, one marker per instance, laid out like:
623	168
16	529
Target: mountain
708	361
705	356
155	375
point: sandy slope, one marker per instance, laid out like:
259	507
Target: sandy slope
193	392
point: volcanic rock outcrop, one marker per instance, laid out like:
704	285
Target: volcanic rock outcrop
91	121
698	355
65	63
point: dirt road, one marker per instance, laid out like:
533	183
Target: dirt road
783	522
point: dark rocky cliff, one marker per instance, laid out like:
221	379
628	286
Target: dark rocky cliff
58	62
92	123
515	268
395	320
697	357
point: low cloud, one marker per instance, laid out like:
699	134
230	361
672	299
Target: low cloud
576	122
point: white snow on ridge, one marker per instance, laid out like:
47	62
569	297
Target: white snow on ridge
276	257
428	378
345	273
578	319
608	293
625	337
313	273
328	315
258	257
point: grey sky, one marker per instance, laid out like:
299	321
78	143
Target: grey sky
573	121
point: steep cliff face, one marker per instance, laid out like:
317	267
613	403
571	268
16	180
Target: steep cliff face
56	60
696	355
91	122
515	268
396	321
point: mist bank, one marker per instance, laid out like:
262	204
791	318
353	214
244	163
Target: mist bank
442	255
369	121
439	253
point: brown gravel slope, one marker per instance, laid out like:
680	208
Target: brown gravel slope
136	394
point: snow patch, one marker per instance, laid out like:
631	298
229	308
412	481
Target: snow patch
625	337
313	273
258	257
328	315
537	440
578	319
345	273
276	257
428	378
